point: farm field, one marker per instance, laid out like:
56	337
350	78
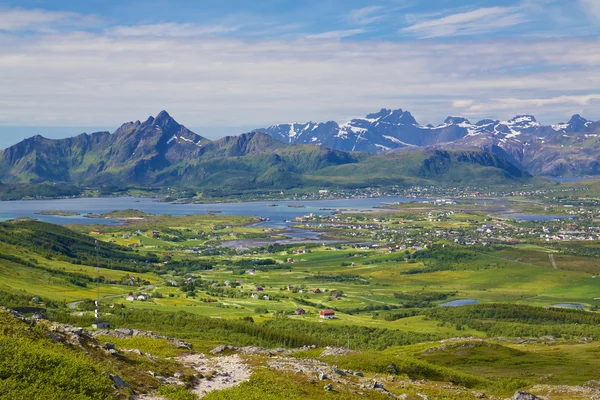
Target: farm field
384	275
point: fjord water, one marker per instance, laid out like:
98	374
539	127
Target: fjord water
276	215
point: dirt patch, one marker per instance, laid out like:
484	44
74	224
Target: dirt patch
218	373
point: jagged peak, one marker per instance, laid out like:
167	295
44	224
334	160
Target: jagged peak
484	122
456	121
577	118
382	113
522	118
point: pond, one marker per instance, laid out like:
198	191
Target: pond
456	303
566	305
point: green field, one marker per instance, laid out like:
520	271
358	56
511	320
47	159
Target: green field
386	298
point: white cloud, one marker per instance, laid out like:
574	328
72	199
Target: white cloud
88	79
478	21
365	15
462	103
336	34
592	7
496	104
172	30
40	20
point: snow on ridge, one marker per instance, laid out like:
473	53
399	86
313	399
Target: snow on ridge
175	137
559	127
396	140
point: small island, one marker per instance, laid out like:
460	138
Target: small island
59	213
129	213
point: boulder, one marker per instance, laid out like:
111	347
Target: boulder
521	395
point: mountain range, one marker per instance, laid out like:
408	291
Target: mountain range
161	152
571	148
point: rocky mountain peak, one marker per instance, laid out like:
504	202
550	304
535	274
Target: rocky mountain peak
456	121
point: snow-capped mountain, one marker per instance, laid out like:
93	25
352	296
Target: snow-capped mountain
374	133
521	138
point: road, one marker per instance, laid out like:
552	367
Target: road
74	304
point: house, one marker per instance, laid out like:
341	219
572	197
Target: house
266	297
97	232
289	260
327	314
101	325
301	251
251	271
290	287
259	289
300	311
130	298
317	290
227	283
142	297
254	296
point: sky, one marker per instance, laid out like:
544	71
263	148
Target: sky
228	66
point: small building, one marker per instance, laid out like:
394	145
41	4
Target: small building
130	298
260	289
266	297
142	297
101	325
327	314
289	260
317	290
254	296
300	311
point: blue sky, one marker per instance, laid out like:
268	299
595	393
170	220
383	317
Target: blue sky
223	67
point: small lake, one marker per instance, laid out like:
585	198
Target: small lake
577	306
536	217
456	303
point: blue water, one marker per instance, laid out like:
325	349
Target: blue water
456	303
579	306
572	178
537	217
277	215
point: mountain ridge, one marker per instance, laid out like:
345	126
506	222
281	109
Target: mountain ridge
522	138
160	151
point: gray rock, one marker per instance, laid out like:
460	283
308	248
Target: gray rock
180	344
338	371
521	395
322	376
222	348
120	382
358	373
328	387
